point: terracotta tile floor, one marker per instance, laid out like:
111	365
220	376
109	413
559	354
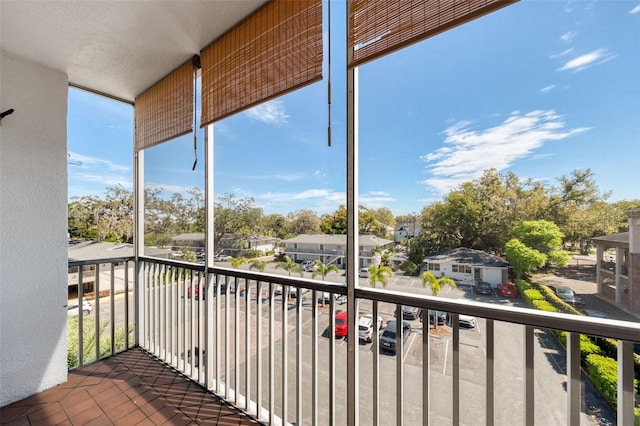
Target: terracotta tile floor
131	388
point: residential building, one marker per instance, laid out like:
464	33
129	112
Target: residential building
466	266
331	248
230	244
618	265
406	230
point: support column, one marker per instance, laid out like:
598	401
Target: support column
619	283
599	255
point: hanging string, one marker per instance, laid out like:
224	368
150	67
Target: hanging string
196	65
329	73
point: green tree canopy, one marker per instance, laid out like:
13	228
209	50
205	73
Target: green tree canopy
522	258
323	270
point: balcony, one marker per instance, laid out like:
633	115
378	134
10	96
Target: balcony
276	359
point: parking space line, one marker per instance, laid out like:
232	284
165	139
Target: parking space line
446	353
404	358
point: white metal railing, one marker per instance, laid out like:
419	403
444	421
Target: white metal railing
101	310
278	358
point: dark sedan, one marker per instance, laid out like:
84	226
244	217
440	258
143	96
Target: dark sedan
484	288
388	338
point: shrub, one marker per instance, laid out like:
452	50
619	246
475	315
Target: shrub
533	294
253	253
543	305
603	372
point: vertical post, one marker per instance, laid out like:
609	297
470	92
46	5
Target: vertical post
489	377
209	250
625	383
138	244
573	379
529	397
352	263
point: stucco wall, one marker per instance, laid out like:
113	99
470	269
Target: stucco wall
33	228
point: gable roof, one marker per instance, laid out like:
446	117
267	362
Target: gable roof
337	239
467	256
94	250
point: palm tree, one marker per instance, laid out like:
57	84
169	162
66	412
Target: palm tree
260	265
379	274
289	266
323	270
237	261
435	284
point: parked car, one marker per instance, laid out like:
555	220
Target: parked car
222	258
365	327
483	287
73	310
467	321
196	291
411	313
442	316
364	273
304	264
388	338
341	324
311	267
567	295
507	290
293	291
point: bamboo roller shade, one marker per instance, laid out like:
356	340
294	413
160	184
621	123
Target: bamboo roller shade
165	110
275	50
379	27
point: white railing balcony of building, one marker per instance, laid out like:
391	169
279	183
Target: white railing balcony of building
242	336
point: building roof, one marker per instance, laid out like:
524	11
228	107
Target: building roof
92	250
337	239
467	256
619	239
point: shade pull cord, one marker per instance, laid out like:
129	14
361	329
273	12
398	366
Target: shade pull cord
196	65
329	73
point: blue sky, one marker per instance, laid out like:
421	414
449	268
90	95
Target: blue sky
538	88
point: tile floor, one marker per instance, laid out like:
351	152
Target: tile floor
130	388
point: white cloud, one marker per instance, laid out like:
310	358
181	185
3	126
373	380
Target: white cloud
568	37
548	88
468	152
271	112
563	53
635	10
587	60
375	199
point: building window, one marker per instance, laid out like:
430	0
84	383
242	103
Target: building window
433	266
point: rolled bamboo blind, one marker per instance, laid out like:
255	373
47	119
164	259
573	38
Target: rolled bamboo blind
165	110
275	50
379	27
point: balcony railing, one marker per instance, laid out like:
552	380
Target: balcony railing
241	336
106	325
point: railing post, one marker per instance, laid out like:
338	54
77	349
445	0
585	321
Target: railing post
573	379
625	383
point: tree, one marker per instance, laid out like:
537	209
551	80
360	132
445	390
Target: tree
435	285
408	267
290	266
236	262
523	258
260	265
323	270
303	222
188	255
379	274
234	216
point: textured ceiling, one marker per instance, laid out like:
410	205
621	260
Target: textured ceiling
118	48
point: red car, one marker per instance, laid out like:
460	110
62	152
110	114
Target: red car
341	324
508	290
